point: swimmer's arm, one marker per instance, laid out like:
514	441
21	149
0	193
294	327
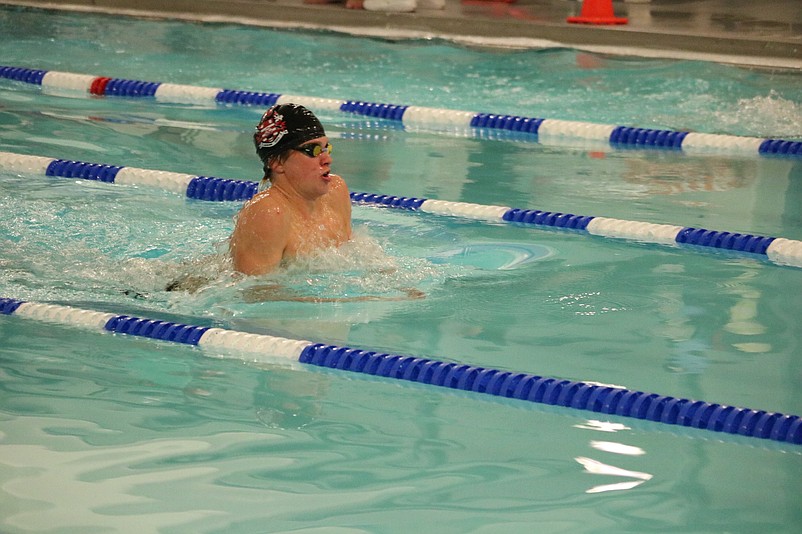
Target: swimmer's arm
259	239
342	202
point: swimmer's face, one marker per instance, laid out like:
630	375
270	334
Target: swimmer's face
314	150
311	173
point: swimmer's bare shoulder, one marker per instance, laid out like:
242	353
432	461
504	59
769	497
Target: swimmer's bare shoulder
260	235
340	196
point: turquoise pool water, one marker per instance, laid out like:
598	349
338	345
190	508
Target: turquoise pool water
111	433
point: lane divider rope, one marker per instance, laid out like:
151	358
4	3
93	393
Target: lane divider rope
777	250
616	136
578	395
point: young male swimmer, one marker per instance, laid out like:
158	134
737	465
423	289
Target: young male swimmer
301	206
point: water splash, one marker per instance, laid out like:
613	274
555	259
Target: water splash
764	116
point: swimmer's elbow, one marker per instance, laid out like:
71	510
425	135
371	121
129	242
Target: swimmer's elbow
250	267
248	257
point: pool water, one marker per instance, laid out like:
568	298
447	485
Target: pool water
102	432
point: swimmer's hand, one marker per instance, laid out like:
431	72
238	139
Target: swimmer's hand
188	283
276	292
413	293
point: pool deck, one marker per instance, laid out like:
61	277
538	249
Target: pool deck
765	30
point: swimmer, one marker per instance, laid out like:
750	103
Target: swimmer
301	207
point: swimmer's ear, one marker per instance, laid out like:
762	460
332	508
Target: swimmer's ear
276	165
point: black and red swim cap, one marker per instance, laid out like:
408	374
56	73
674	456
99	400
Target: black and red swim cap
285	126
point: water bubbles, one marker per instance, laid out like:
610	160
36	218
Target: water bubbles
768	116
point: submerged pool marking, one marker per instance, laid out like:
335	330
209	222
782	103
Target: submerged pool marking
496	256
776	249
623	136
525	387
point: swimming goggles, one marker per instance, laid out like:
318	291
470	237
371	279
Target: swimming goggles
314	151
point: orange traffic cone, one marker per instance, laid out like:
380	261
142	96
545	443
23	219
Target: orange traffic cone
597	12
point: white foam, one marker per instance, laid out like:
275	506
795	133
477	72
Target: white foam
768	116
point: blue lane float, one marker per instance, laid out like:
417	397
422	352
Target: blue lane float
593	397
777	250
543	128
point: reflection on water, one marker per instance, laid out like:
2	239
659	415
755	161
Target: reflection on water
62	487
603	426
618	448
596	467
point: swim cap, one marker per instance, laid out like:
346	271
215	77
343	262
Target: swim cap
283	127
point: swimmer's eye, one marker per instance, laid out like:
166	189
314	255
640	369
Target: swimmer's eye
314	151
